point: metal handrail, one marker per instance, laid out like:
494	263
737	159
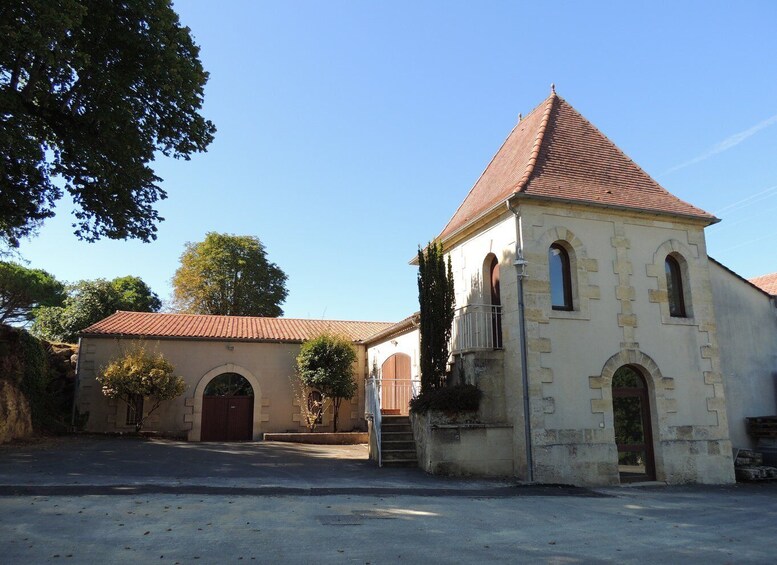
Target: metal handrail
477	327
373	412
374	404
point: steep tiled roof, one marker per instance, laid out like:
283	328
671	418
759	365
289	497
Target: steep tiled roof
767	283
245	328
554	152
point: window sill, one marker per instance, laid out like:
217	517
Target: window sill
675	321
569	315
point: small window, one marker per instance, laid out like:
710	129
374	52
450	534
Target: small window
135	410
674	287
560	278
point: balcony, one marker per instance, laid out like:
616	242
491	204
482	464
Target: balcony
477	327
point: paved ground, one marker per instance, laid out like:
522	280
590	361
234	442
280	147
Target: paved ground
118	501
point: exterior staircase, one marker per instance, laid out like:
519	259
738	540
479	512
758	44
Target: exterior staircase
397	445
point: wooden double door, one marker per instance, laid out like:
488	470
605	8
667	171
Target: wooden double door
396	387
228	409
227	418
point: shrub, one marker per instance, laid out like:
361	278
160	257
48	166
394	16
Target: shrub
325	363
138	373
459	398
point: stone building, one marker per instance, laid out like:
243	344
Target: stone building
609	346
238	373
589	313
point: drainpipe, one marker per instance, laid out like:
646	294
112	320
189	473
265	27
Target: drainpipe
520	270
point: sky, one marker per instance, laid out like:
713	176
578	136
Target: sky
350	131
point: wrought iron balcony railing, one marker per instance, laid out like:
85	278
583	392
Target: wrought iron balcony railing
477	327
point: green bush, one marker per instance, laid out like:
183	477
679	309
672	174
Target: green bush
452	399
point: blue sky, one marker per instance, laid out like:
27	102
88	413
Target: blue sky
349	132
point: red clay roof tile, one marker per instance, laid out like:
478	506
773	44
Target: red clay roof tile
556	153
767	283
151	324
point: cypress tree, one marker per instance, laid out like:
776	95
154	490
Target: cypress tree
436	299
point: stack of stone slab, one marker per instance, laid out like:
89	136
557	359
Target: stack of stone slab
760	463
749	466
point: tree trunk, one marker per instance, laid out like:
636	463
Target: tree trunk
336	404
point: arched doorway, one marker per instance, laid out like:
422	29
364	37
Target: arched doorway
492	274
633	429
396	386
228	409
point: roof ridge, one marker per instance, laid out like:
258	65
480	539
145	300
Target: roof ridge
231	317
538	140
495	155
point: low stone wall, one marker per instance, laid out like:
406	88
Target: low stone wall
463	449
323	438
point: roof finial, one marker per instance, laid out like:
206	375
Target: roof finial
552	89
520	117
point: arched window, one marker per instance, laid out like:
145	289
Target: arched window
493	277
674	287
560	278
491	270
229	384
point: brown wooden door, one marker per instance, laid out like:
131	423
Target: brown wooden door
395	385
227	418
633	429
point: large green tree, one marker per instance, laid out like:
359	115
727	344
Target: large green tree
229	275
89	91
325	363
88	302
436	299
22	290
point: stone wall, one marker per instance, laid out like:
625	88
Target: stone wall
483	450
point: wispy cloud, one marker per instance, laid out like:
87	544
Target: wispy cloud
727	143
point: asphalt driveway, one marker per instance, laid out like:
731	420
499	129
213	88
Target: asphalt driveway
117	500
174	466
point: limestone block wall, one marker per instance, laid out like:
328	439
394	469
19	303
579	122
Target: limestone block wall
498	373
269	367
463	450
621	317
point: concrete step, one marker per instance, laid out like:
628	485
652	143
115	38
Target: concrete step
398	455
396	429
396	419
388	445
396	436
401	463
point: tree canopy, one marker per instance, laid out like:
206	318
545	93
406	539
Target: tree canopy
138	374
22	290
89	91
90	301
229	275
436	300
325	363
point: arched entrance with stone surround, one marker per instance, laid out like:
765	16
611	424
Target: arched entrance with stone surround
633	427
659	393
195	434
